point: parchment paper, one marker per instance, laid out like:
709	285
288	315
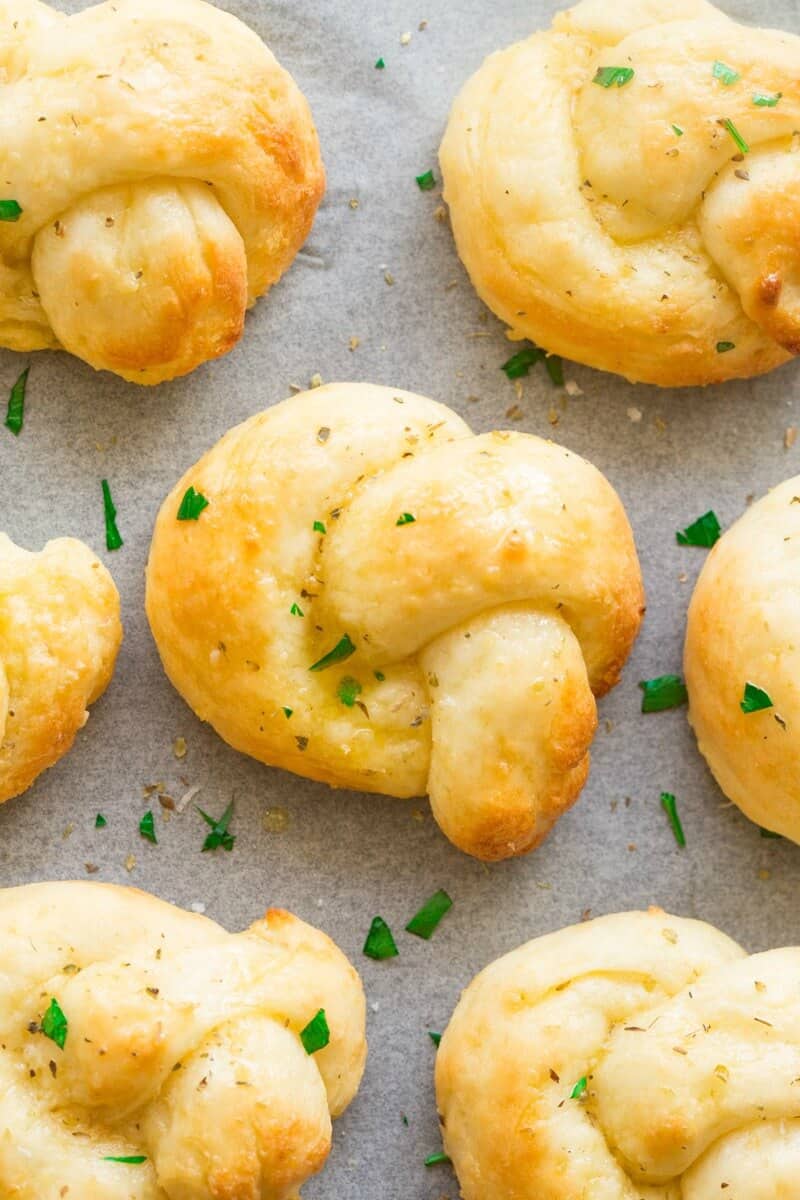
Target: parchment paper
344	857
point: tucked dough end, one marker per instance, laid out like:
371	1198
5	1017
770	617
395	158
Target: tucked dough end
147	280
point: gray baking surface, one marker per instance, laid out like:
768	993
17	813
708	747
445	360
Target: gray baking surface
345	857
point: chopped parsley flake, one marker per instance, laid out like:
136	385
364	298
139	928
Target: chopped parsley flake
676	129
667	691
191	505
705	532
437	1160
100	822
435	1037
555	369
380	943
767	99
349	690
16	404
768	833
296	611
741	144
316	1034
725	74
133	1160
670	807
423	923
287	712
147	828
113	535
579	1089
609	77
755	699
55	1024
725	347
379	675
219	835
342	650
319	527
10	210
521	362
380	64
405	519
426	182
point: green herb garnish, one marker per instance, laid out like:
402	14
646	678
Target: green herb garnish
670	807
132	1160
737	137
436	1160
380	943
296	611
10	210
521	362
609	77
319	527
423	923
192	505
287	712
705	531
219	835
316	1034
348	690
767	99
579	1089
435	1037
405	519
755	699
342	650
725	74
16	404
725	347
147	828
768	833
379	675
55	1024
667	691
555	369
426	182
113	535
676	129
380	64
100	822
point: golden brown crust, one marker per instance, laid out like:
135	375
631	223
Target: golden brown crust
182	1046
637	1055
744	627
59	636
181	176
483	623
621	226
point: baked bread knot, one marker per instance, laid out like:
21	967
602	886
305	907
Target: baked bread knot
59	636
742	661
376	598
636	1057
624	189
167	170
149	1055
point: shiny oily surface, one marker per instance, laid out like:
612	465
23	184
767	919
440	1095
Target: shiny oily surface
165	169
174	1045
636	1055
744	630
340	861
377	599
620	188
